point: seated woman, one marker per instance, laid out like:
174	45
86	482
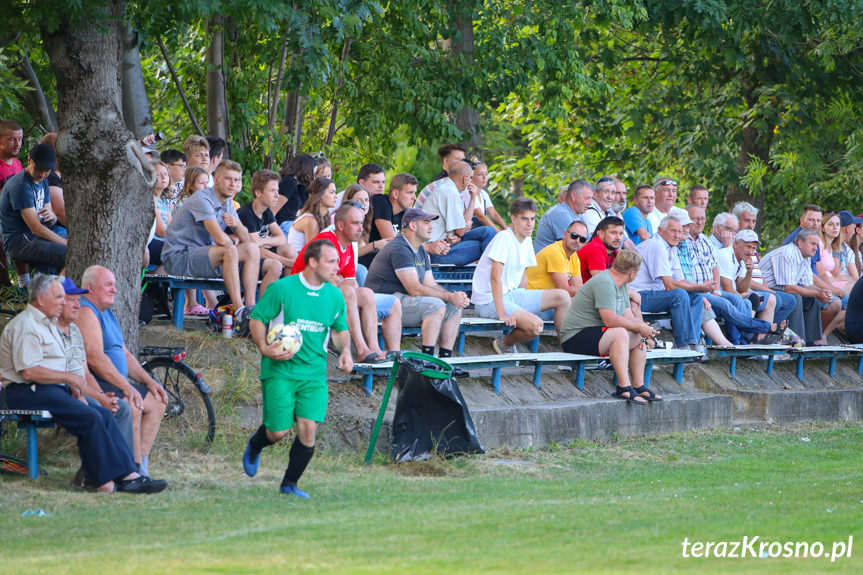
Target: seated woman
830	267
315	215
600	322
196	179
163	215
364	250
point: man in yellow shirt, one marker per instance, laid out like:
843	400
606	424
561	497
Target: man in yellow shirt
557	264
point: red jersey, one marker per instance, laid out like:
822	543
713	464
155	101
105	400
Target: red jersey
347	266
594	256
9	170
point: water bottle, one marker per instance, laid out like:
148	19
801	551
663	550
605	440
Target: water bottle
228	326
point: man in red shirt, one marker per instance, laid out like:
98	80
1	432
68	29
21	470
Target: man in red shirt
364	308
598	255
11	137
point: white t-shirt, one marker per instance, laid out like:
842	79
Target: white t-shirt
516	258
655	217
729	267
445	201
484	202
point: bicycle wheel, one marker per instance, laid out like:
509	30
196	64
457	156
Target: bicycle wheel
190	410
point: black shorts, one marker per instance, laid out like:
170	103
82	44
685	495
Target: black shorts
585	342
109	388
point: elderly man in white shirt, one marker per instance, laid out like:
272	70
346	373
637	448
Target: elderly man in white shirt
662	286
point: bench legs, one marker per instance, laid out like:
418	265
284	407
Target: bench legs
770	359
860	366
32	451
179	305
832	369
460	343
537	374
367	384
495	379
800	368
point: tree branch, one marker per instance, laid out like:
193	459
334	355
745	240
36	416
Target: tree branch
179	87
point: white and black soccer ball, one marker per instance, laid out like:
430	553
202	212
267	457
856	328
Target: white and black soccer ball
288	335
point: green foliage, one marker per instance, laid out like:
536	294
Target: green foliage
11	87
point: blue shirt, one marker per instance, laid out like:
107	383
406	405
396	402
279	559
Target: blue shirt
792	237
633	221
112	338
553	224
20	192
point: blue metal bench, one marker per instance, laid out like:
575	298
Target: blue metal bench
30	419
831	352
676	357
495	363
745	351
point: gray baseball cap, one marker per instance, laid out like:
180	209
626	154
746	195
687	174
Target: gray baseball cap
414	214
747	236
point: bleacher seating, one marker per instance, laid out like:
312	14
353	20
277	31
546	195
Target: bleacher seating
30	419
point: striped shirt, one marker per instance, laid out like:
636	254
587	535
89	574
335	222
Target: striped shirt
684	254
786	266
703	259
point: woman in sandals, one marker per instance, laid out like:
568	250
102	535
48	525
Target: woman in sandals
600	323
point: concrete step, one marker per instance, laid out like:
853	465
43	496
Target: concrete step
797	406
562	422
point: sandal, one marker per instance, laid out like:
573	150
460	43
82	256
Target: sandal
780	328
373	358
650	395
198	309
619	391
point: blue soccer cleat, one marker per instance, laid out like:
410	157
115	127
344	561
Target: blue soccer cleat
292	489
251	466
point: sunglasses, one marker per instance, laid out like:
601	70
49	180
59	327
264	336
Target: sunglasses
666	183
575	236
604	179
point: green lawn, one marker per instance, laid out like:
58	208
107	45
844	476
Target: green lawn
619	507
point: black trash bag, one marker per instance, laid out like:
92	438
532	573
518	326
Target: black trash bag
431	414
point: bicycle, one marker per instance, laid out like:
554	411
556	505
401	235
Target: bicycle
190	409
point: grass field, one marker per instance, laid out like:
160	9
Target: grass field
620	507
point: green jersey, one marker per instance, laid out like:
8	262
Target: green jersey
314	310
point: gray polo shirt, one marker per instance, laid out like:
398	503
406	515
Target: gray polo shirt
553	224
187	230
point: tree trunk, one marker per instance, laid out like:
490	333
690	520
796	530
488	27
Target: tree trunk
136	107
294	116
34	99
752	145
334	114
109	198
468	118
217	106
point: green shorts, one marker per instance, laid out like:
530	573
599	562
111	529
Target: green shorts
284	400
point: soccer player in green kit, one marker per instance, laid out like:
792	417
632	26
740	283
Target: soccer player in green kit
295	385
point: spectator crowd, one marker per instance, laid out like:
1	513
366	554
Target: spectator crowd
593	264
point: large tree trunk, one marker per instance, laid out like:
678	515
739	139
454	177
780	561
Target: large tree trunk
217	105
753	145
468	118
136	107
109	198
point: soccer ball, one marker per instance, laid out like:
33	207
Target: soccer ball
290	337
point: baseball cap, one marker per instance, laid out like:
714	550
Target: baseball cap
414	214
747	236
846	218
681	214
71	289
44	157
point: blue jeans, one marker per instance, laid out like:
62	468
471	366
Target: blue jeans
785	303
740	326
685	309
39	253
361	275
469	249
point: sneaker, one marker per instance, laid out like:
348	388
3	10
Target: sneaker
250	466
791	338
500	348
292	489
141	484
